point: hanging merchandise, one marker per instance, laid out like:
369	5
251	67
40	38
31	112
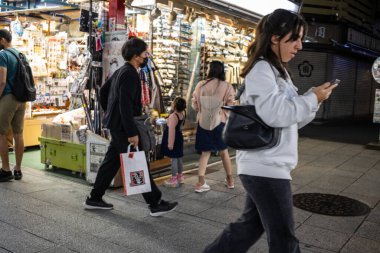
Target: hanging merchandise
85	19
80	83
73	29
157	102
226	44
171	49
99	35
112	58
16	27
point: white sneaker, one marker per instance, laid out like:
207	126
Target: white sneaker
202	188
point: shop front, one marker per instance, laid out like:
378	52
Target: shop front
55	49
69	68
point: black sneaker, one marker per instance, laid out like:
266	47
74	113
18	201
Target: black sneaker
17	174
5	176
97	204
162	208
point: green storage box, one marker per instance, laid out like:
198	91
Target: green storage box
63	154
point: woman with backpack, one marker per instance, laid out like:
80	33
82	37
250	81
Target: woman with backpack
208	98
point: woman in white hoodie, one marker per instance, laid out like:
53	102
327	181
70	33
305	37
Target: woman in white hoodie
265	174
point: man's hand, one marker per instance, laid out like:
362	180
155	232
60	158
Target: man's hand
134	140
170	147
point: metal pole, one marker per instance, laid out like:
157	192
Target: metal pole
90	49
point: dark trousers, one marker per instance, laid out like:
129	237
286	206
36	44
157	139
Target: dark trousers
269	208
110	166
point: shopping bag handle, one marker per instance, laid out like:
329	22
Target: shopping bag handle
129	148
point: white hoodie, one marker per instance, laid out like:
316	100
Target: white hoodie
279	105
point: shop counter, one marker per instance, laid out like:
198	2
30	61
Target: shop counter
32	130
32	127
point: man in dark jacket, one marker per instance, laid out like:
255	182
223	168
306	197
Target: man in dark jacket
123	104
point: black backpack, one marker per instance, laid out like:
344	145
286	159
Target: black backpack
23	83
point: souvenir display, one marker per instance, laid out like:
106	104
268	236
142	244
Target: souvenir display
171	51
227	44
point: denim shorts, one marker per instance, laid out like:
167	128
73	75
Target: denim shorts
11	114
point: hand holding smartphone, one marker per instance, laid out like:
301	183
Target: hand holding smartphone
335	81
324	91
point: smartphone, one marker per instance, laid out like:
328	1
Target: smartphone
335	81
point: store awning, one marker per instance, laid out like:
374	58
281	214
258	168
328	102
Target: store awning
61	12
213	7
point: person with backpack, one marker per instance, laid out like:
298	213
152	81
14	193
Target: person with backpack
12	111
208	98
120	97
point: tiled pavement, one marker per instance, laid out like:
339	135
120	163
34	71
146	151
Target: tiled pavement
43	212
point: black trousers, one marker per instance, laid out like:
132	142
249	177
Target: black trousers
110	166
269	208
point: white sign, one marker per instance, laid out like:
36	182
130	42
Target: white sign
320	31
259	7
376	111
143	2
96	149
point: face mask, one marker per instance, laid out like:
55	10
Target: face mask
142	65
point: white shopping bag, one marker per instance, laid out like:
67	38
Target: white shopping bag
135	172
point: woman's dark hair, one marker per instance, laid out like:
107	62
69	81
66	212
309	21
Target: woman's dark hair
4	33
179	104
279	23
216	70
132	47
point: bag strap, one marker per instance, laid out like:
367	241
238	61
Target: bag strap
15	55
200	91
115	80
208	80
247	111
242	87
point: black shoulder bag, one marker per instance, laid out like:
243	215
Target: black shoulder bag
245	130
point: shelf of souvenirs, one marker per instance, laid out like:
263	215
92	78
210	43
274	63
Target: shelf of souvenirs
181	49
228	59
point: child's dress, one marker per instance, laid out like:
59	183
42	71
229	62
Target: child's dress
178	141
